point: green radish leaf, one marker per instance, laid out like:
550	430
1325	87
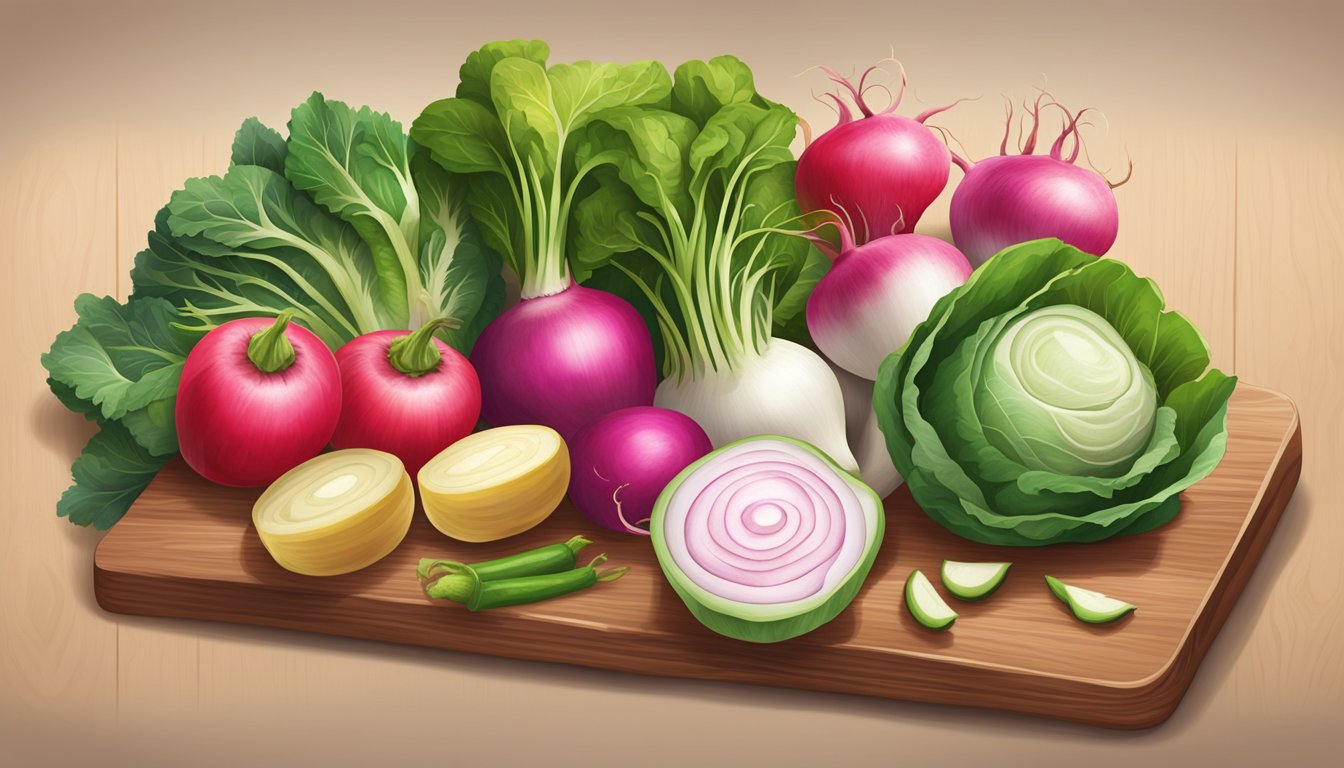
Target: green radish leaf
109	475
649	150
460	277
120	357
255	144
702	88
356	164
254	210
474	75
463	137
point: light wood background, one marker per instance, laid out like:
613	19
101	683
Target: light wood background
1229	110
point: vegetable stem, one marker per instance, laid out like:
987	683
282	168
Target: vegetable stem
269	349
416	354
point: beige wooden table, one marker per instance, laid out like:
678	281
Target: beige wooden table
1230	111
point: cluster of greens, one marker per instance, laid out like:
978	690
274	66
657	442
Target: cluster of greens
1051	399
512	131
697	215
347	224
668	191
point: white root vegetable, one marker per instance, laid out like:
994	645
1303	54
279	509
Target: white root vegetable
865	436
787	390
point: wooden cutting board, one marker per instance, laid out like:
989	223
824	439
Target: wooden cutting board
187	549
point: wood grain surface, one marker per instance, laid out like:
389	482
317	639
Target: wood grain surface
1236	209
187	549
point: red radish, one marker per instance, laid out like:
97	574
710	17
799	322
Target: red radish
1010	199
563	359
878	172
410	395
257	398
620	462
875	294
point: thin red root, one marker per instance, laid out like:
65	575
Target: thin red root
1057	149
1129	172
898	226
900	92
620	515
807	131
841	109
926	114
1030	146
948	138
825	246
844	82
1007	126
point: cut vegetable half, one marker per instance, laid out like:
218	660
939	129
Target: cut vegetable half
973	581
925	604
336	513
1091	607
495	483
766	538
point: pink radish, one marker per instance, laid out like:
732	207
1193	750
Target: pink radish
257	398
621	461
879	172
410	395
875	294
563	359
1010	199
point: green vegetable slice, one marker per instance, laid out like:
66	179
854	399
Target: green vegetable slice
925	604
1091	607
973	581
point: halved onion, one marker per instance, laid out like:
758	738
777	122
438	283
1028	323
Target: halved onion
336	513
495	483
766	538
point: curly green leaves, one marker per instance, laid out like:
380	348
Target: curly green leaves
1051	399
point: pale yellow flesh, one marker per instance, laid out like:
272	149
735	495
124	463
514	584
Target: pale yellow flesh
336	513
495	483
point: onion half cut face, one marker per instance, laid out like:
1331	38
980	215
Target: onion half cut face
766	538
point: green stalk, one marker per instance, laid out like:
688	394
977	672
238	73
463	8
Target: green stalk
269	349
416	354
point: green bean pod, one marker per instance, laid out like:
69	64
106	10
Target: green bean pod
478	595
552	558
532	589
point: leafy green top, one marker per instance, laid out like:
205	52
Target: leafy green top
512	129
693	209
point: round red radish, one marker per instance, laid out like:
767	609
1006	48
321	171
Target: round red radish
408	394
257	398
1010	199
875	294
879	172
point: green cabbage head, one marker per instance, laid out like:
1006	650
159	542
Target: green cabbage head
1050	399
